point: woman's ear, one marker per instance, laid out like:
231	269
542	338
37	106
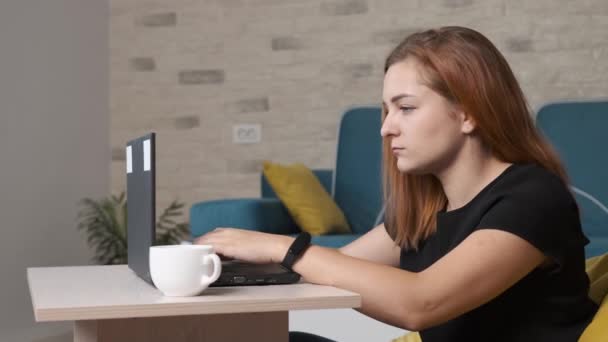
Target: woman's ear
468	123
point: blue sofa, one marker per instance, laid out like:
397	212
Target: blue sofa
355	184
578	130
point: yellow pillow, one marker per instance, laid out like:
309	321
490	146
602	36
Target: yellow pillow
597	330
409	337
311	207
597	270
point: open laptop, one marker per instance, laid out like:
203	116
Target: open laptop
141	226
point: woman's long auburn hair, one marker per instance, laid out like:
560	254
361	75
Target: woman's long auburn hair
464	67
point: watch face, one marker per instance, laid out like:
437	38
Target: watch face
296	249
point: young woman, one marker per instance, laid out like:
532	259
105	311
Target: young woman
482	238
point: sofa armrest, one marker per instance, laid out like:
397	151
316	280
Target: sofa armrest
325	178
260	214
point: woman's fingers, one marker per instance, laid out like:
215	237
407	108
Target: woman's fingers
206	238
239	244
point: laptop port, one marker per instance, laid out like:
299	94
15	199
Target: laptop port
238	279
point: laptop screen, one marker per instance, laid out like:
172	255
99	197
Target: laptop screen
141	199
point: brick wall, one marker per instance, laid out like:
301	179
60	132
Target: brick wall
191	69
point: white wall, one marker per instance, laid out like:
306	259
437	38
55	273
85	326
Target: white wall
54	142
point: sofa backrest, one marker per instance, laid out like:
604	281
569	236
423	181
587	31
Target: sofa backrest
357	183
578	132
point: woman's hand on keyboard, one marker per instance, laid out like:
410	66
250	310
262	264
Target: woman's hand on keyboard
247	245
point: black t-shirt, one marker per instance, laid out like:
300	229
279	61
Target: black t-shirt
551	303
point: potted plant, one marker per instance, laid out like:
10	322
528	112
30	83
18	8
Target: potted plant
104	222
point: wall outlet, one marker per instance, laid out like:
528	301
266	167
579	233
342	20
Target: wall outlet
246	133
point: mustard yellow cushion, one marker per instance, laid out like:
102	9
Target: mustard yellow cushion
597	269
311	207
410	337
597	330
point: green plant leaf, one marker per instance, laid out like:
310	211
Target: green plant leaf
104	223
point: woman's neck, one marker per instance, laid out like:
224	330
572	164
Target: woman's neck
465	178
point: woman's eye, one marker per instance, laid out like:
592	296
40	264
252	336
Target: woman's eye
406	109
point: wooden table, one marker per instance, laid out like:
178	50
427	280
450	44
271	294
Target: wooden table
110	303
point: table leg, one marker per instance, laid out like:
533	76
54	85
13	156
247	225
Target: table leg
261	326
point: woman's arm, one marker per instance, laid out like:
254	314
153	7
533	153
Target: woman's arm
483	266
375	246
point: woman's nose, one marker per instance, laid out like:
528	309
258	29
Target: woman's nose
388	128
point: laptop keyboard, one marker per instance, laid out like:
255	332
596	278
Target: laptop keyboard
239	267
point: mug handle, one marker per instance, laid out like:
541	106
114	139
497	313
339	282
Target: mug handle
217	268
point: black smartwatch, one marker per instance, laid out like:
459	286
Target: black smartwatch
296	250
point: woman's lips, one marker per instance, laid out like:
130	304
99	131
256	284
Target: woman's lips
396	150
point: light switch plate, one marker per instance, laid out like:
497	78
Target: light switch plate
246	133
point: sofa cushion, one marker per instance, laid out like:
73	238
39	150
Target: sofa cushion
308	203
335	241
597	269
266	215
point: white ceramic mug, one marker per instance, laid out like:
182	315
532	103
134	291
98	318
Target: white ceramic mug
184	270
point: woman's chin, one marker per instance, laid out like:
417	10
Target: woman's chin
405	166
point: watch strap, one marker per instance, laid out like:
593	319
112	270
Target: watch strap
297	248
